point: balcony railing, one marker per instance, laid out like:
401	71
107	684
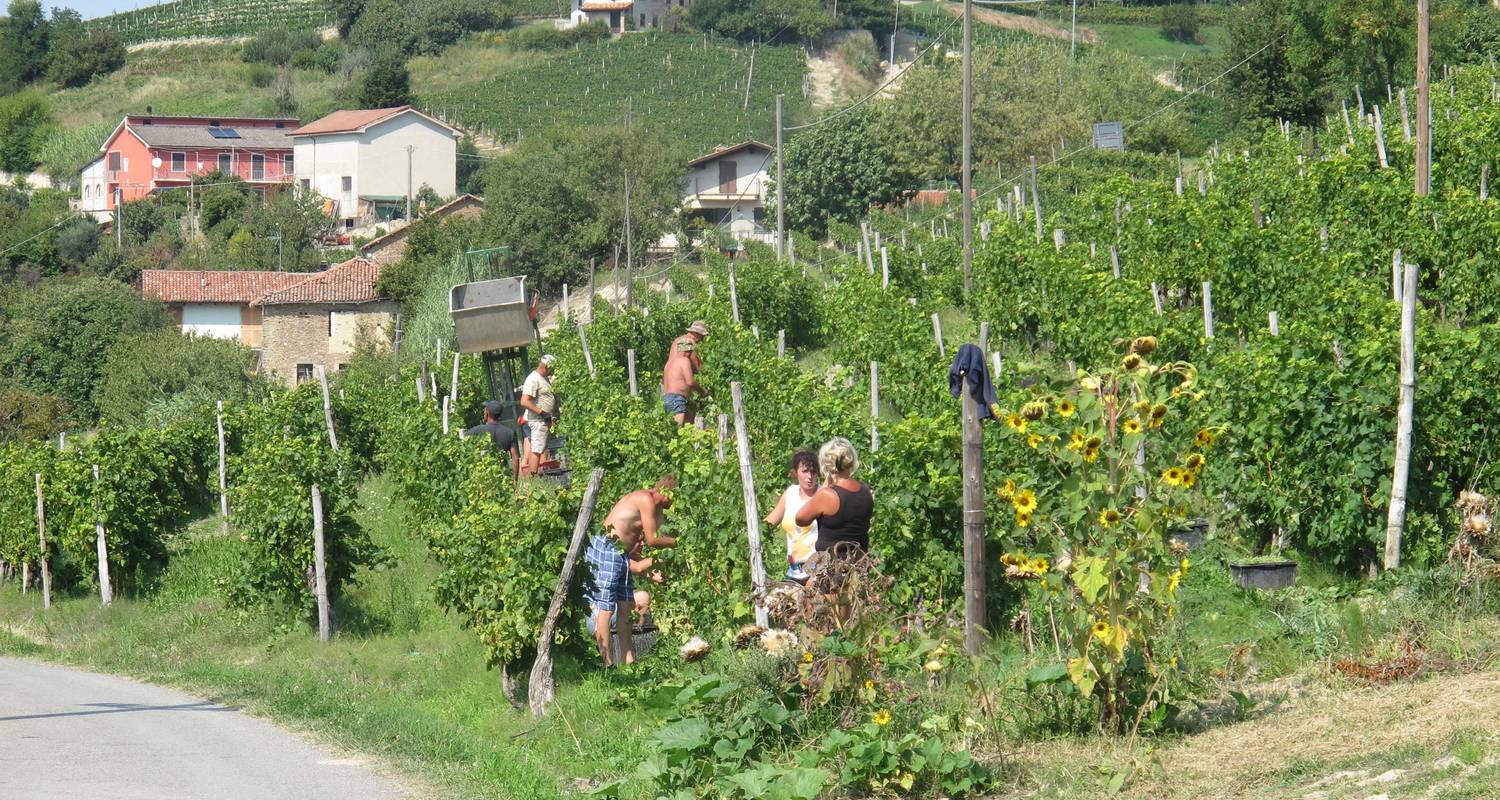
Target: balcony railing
272	171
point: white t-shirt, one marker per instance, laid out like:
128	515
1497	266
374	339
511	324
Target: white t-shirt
540	388
801	542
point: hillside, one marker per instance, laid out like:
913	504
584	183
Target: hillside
215	18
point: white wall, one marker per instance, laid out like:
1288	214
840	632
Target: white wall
323	161
91	192
382	159
219	320
751	167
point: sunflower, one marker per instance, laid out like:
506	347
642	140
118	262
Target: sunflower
1132	362
1143	408
1016	423
1205	438
1035	440
1090	455
1131	427
1066	408
1145	345
1039	565
1023	519
1194	462
1008	490
1025	501
869	686
1173	476
1101	630
1034	411
1075	440
1093	443
807	658
881	717
1189	478
1174	583
1109	518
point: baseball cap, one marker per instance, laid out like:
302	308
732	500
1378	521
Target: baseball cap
494	408
699	327
549	359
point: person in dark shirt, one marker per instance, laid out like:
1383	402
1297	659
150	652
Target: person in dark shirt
503	437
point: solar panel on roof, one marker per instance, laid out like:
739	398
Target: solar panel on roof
223	133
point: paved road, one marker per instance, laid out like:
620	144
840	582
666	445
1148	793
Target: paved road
68	734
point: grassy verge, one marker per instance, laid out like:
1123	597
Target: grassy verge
402	682
1147	42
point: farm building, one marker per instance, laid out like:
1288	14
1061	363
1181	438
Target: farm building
367	162
389	248
149	153
727	189
620	15
295	320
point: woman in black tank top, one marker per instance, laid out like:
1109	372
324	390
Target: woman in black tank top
844	506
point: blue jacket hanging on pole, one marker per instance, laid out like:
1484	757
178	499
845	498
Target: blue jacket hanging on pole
970	362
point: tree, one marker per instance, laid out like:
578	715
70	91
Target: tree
559	200
297	219
470	167
386	83
77	61
1286	70
148	369
55	337
833	173
77	241
1181	23
26	415
345	14
25	123
23	45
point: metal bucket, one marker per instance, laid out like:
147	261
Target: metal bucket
490	315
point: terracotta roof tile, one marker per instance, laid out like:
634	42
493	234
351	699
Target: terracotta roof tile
721	151
352	121
213	286
605	5
350	282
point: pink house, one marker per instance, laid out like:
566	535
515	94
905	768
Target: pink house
149	153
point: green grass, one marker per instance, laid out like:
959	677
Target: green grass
402	682
1147	42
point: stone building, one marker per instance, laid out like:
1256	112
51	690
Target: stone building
390	247
322	319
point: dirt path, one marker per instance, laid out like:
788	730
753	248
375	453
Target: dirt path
1021	22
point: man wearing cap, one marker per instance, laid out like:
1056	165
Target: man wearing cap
541	411
501	435
679	378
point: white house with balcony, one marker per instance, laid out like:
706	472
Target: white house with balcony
93	198
618	15
728	188
366	162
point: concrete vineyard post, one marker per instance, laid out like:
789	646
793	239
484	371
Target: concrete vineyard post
874	406
223	472
723	434
885	268
41	536
453	387
781	343
1380	139
565	304
583	343
106	592
1156	296
1036	201
320	567
1114	260
752	508
333	439
937	334
630	367
1274	323
1396	515
1208	310
446	405
734	298
1396	276
539	692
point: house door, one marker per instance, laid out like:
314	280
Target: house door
614	22
257	167
727	182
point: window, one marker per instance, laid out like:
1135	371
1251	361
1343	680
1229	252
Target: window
331	325
286	163
179	162
257	167
728	170
112	162
86	191
347	183
226	163
304	373
305	184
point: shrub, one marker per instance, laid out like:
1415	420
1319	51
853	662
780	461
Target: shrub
386	83
260	75
547	37
1181	23
146	369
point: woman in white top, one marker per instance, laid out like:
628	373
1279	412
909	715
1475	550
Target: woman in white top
801	541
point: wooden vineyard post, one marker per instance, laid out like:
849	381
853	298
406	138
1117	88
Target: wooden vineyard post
752	508
320	566
106	592
874	406
1396	516
630	367
723	434
973	466
583	344
540	690
937	333
41	535
1208	310
333	439
734	298
223	473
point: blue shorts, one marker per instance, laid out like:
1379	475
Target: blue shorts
610	581
674	403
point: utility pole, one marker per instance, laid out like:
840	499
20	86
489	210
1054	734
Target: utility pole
968	156
409	149
629	255
780	189
120	218
1073	32
895	26
1424	101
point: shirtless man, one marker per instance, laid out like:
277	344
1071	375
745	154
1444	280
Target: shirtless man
679	377
635	520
